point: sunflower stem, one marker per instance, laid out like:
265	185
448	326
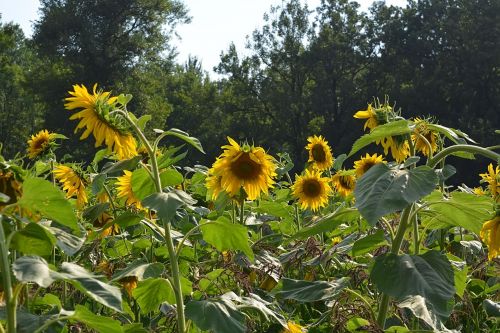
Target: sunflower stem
242	211
7	283
432	162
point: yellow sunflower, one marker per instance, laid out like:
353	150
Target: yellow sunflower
246	167
365	163
344	182
95	118
492	178
293	328
400	149
39	143
213	184
73	184
125	190
422	131
319	152
129	283
369	115
9	186
490	234
311	190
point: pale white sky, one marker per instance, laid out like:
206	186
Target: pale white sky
215	23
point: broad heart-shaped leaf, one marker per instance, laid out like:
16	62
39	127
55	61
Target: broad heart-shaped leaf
383	190
166	203
277	209
114	168
311	291
224	235
88	283
33	239
150	293
69	243
140	269
461	209
185	136
219	316
26	322
368	243
327	223
398	127
143	185
492	308
99	323
34	269
39	195
419	308
429	275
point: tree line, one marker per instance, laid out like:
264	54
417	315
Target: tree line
307	71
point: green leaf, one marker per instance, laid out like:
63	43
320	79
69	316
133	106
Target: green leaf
383	190
4	198
311	291
166	203
39	195
461	209
67	242
98	183
355	324
224	235
140	269
34	269
127	219
398	127
119	166
96	322
368	243
143	120
171	177
185	136
327	223
33	239
143	185
277	209
429	275
492	308
421	309
150	293
219	316
26	322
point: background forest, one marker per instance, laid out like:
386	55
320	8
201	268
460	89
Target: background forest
307	72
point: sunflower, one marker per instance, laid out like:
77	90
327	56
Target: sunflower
293	328
213	184
312	190
365	163
73	183
422	131
344	182
9	186
125	190
400	149
490	234
492	177
129	283
39	143
246	167
95	118
319	152
369	115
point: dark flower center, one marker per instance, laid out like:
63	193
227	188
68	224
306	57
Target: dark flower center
318	153
311	188
245	168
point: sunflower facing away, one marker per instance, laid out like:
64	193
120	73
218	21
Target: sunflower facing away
124	187
490	234
422	131
246	167
311	190
319	152
365	163
73	184
492	178
96	120
400	149
40	143
344	182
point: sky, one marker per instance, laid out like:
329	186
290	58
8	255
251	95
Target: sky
211	29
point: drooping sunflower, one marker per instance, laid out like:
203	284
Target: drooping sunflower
492	177
73	183
365	163
124	187
293	328
311	190
319	152
490	234
369	115
10	186
398	144
420	132
96	119
244	167
344	182
129	283
40	143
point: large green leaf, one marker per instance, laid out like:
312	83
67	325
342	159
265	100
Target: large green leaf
368	243
429	275
383	190
39	195
277	209
311	291
114	168
327	223
33	239
460	209
166	203
96	322
224	235
140	269
419	307
34	269
150	293
67	242
143	185
398	127
26	322
185	137
221	316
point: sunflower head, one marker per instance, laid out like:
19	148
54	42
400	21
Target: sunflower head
365	163
73	182
10	185
492	178
244	167
96	118
490	234
398	144
124	187
344	182
311	190
292	327
129	283
213	184
376	115
422	132
320	153
40	143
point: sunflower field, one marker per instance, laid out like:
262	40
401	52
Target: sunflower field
136	241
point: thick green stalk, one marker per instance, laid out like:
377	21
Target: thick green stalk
242	212
7	284
432	162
